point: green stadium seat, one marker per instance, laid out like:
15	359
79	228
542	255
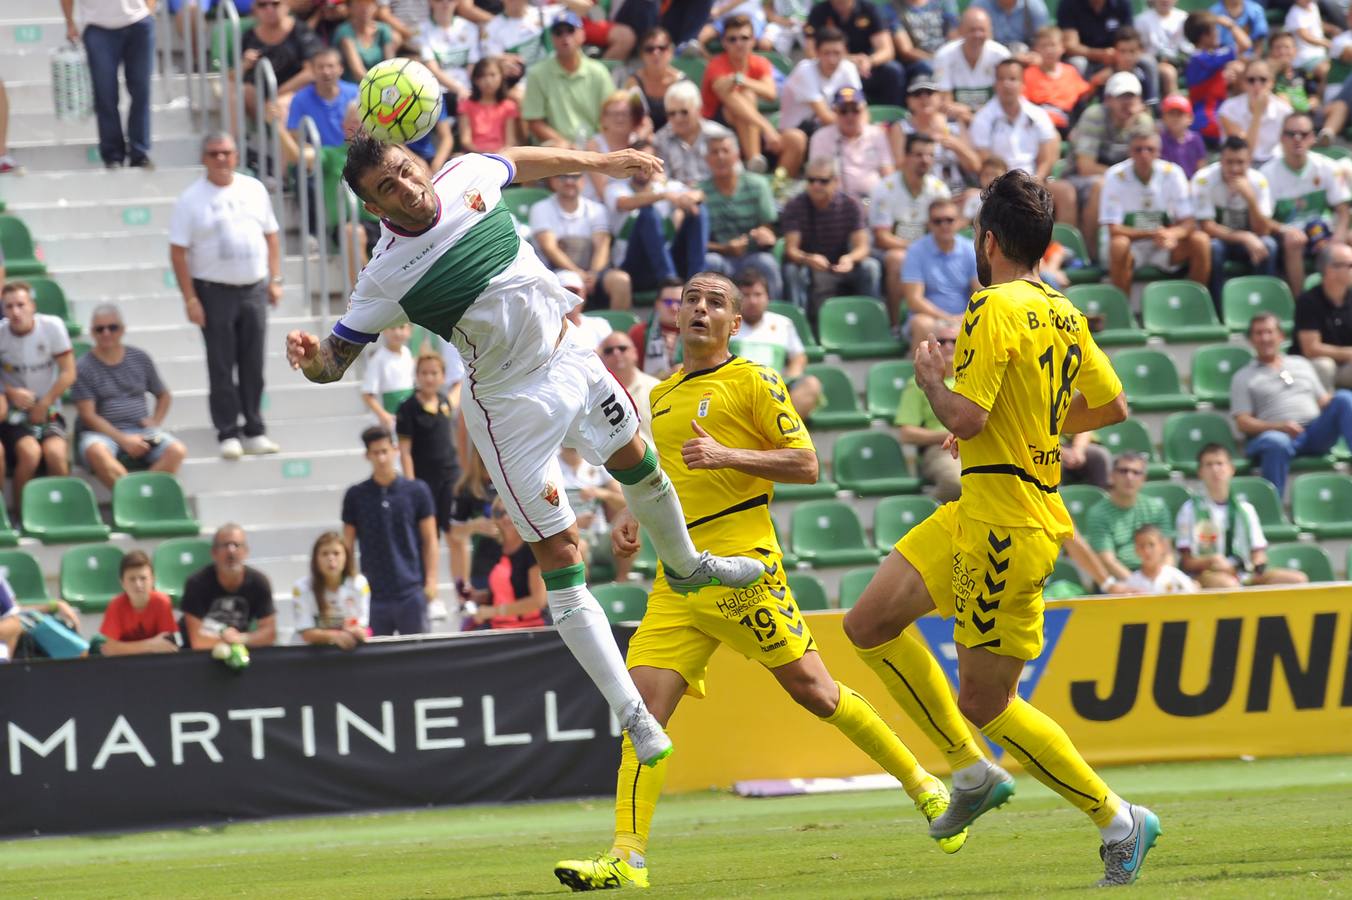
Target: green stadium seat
175	560
1070	237
1106	300
1064	582
857	328
1311	559
619	319
871	464
89	576
1187	433
886	381
1259	492
21	570
21	260
852	585
828	533
1131	434
1333	151
1243	298
808	591
884	114
519	200
50	300
782	63
790	561
894	516
9	537
839	407
1322	503
391	400
1180	311
61	510
692	67
152	504
622	602
823	489
1151	382
814	350
1079	499
1173	493
1214	367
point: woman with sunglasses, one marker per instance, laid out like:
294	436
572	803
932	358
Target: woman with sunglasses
287	43
654	75
1257	114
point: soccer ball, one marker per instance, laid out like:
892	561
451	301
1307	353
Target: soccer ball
399	100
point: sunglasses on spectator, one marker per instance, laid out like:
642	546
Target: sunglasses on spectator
112	328
679	112
1258	79
945	220
230	545
814	179
266	5
736	38
219	154
849	110
670	301
924	92
947	342
1298	135
656	48
1124	470
617	348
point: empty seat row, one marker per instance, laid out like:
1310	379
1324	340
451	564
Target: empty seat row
89	572
1179	310
62	509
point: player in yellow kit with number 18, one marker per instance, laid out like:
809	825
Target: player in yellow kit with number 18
1026	372
726	432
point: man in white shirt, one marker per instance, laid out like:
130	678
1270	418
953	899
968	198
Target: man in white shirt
225	253
965	68
861	146
1309	197
806	95
37	367
772	340
898	212
1233	205
573	234
1147	209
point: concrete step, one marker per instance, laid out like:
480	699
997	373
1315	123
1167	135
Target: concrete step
33	92
82	152
285	471
299	436
184	372
276	506
138	278
44	187
296	399
172	119
175	337
63	215
165	308
74	251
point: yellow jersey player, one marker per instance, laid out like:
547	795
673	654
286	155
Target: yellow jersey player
726	431
1026	372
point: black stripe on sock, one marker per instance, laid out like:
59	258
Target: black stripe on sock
920	702
633	799
1015	744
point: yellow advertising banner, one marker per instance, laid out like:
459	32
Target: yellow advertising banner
1259	672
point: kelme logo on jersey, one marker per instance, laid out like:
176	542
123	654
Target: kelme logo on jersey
475	201
938	633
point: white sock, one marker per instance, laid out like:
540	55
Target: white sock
1120	827
654	503
969	777
582	625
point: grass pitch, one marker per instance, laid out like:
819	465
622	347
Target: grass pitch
1276	828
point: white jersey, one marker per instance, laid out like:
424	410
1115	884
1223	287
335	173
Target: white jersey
29	360
772	341
523	36
893	206
467	277
1305	195
388	371
349	605
1210	534
971	85
806	84
1016	142
1236	109
1163	200
1163	36
1169	580
454	48
1212	199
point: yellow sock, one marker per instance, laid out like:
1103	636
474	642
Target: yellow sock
912	676
1046	753
636	791
859	721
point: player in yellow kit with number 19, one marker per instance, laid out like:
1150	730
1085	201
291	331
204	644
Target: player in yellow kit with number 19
1026	372
726	431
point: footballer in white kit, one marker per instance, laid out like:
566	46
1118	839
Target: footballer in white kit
449	259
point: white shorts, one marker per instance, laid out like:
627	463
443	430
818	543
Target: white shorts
1145	253
518	429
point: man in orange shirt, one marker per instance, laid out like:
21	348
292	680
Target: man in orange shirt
734	82
138	620
1054	85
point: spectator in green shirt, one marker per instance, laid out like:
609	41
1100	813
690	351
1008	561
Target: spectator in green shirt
742	217
921	428
362	40
1112	523
565	92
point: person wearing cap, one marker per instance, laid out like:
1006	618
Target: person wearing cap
1148	211
1180	144
806	101
735	81
826	245
1233	203
742	214
965	68
862	147
565	92
898	213
868	42
1099	140
956	161
573	235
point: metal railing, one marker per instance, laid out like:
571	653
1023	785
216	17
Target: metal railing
311	166
346	215
269	152
232	120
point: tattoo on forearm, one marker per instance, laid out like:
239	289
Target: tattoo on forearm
335	356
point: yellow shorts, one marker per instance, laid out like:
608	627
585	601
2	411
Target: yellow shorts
680	632
987	578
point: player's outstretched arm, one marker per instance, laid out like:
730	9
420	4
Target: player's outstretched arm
786	466
534	163
321	361
1082	417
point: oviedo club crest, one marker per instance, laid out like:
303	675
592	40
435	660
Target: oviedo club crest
475	201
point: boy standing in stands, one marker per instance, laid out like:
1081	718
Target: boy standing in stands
1211	69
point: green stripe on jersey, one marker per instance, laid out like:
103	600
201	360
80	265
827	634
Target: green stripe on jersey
455	280
1306	206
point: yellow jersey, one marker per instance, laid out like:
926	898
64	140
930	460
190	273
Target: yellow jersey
1023	352
740	404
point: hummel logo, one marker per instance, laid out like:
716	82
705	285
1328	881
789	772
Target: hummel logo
982	625
999	545
970	324
987	607
966	361
994	587
998	564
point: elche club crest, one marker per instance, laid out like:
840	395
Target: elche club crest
551	491
475	201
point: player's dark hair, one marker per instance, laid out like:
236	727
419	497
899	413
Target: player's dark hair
751	277
1276	34
1264	316
136	559
735	294
1151	530
1213	447
374	435
1234	142
480	67
364	153
1126	33
12	287
918	137
737	20
1018	211
828	35
327	51
670	281
1198	25
1006	63
1286	122
317	577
